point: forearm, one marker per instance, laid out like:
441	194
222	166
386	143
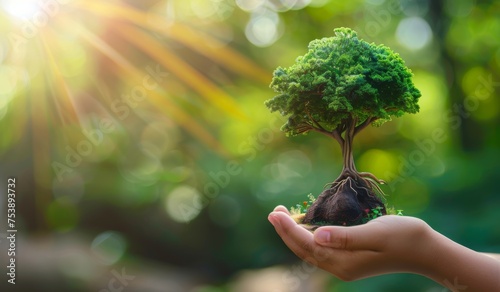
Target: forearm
495	256
459	268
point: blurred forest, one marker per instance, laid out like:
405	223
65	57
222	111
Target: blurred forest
145	159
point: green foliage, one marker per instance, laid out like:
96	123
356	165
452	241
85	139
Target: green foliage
377	212
342	78
302	208
374	213
393	211
370	214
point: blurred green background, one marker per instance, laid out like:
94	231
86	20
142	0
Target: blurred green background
145	159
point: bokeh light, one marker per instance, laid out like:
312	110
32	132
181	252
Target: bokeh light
263	28
109	247
146	105
414	33
217	9
180	203
250	5
379	162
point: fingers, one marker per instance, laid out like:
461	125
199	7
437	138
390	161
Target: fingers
281	208
361	237
297	238
296	217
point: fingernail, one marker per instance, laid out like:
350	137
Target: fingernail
322	236
273	219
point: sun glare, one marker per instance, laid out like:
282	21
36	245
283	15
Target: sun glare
82	71
21	9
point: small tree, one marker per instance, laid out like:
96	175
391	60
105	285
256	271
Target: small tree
339	87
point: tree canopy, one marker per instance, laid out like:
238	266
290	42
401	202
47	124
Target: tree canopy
343	81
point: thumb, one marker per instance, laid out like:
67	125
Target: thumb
361	237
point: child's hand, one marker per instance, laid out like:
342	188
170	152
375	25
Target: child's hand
384	245
389	244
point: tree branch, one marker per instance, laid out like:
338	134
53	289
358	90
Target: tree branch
304	127
315	126
342	127
364	125
314	121
322	131
338	137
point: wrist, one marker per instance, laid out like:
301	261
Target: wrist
457	267
426	244
412	252
433	252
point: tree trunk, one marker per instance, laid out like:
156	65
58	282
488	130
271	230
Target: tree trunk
349	167
350	197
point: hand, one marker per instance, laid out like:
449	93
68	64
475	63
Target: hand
389	244
385	245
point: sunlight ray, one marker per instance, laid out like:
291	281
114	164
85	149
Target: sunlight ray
203	44
62	98
214	50
182	70
181	117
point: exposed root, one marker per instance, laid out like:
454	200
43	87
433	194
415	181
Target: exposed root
374	185
368	175
367	188
370	180
331	185
350	185
339	203
338	182
345	202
